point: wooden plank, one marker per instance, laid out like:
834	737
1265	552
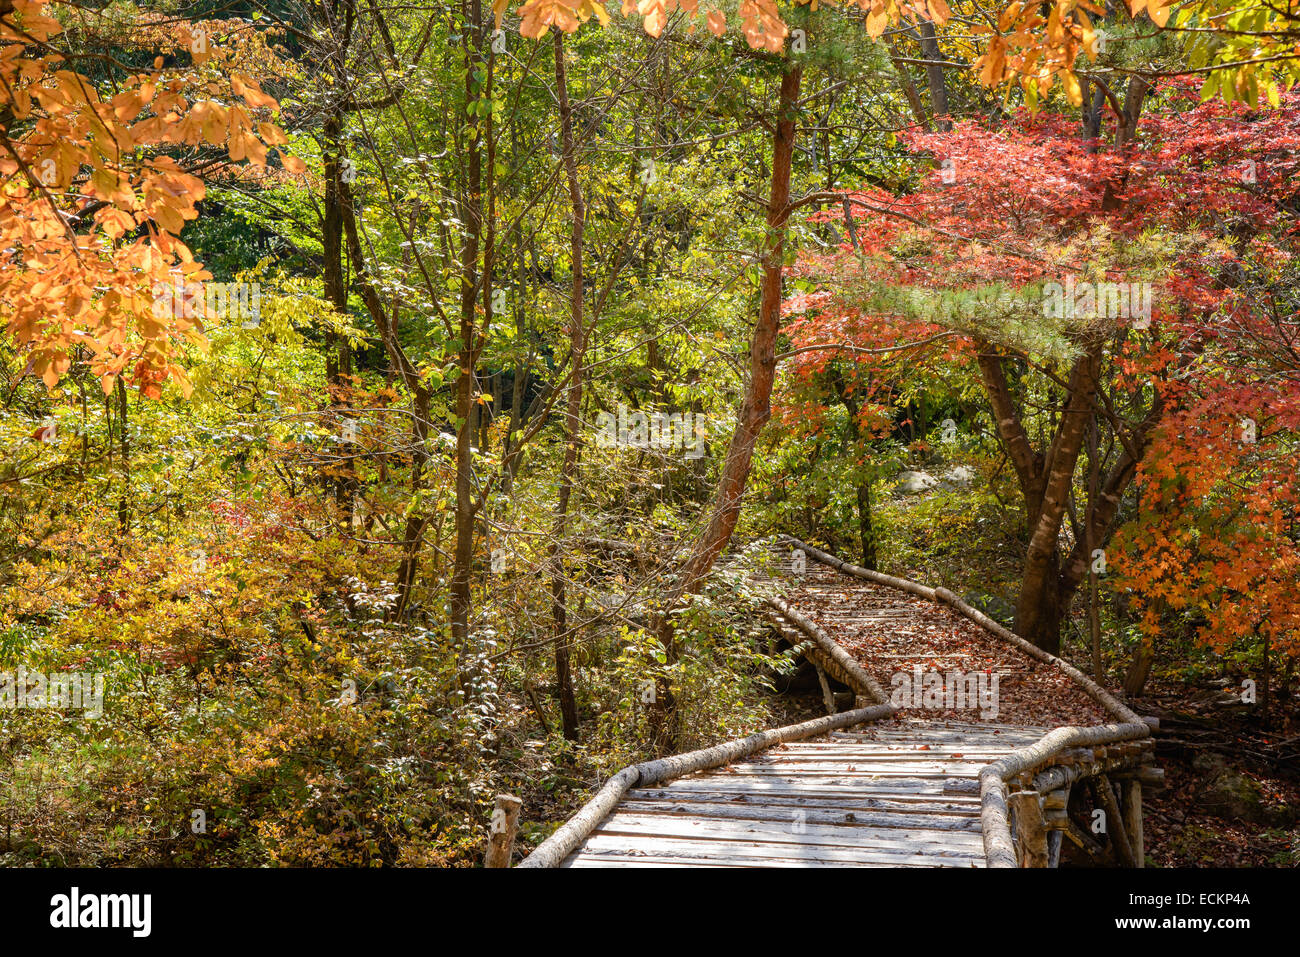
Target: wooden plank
791	832
1002	745
938	724
893	747
848	761
810	815
760	851
848	802
990	732
901	747
829	758
841	795
845	776
852	787
590	861
972	737
949	724
957	766
884	747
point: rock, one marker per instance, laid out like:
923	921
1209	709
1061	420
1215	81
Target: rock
958	475
1231	795
999	609
914	483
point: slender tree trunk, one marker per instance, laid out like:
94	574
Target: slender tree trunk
1045	483
124	440
573	407
332	244
1040	610
866	527
338	359
1144	657
413	534
909	87
470	333
756	408
1094	617
934	76
416	522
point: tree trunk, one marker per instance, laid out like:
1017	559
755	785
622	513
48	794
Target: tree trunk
908	87
853	440
1094	617
124	441
1041	607
866	528
1140	668
471	207
573	407
756	408
934	76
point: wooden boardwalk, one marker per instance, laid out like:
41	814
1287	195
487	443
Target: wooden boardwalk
901	795
909	784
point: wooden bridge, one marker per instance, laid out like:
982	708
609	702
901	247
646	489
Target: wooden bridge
922	780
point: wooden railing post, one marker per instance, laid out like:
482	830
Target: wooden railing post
1031	828
1133	819
501	832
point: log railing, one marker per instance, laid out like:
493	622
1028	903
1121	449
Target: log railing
1044	771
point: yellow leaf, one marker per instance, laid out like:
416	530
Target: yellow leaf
271	134
1072	89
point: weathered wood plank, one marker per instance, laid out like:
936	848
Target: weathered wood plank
848	784
885	789
587	860
850	763
873	772
793	832
918	804
854	818
808	854
889	747
968	739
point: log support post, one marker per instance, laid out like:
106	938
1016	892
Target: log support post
827	696
1085	842
1030	828
1054	847
1133	819
1115	829
501	831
